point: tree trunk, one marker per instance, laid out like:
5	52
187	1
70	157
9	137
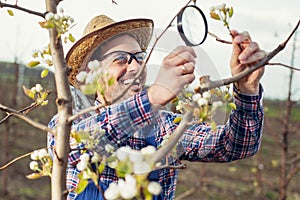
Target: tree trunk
283	184
64	107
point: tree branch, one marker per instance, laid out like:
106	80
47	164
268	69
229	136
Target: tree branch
219	39
24	110
14	160
26	119
2	5
91	108
287	66
148	57
164	150
213	84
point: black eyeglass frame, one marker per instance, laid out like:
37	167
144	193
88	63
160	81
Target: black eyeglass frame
132	55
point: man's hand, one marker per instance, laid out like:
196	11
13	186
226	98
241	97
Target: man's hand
176	71
246	52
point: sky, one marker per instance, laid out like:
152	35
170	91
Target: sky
269	23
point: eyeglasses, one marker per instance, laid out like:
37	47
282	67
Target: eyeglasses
123	57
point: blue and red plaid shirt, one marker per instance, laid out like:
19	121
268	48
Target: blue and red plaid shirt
133	121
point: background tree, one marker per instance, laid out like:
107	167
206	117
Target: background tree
64	102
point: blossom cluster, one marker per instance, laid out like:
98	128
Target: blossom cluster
93	81
222	13
61	22
37	93
41	164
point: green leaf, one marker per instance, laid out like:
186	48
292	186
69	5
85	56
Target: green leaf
47	24
177	120
81	186
71	38
101	167
214	16
28	92
34	176
232	105
44	73
10	12
88	89
230	12
122	169
44	95
33	63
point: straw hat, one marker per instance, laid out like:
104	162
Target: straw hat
98	30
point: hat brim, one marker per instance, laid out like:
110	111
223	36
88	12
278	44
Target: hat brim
140	29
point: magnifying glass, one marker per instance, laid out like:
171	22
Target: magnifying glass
192	25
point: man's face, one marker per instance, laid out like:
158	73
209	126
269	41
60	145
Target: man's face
121	59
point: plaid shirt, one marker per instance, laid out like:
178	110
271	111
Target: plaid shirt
131	122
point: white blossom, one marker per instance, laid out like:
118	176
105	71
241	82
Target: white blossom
135	156
206	95
42	153
141	167
84	157
81	76
202	102
196	96
33	165
126	189
148	150
122	153
93	65
90	78
154	188
33	89
56	16
81	166
38	88
49	16
34	155
96	158
112	191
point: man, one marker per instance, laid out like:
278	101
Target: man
134	120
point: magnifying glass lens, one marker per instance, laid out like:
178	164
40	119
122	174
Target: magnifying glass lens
192	25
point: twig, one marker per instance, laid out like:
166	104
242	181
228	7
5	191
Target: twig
219	39
292	173
214	84
24	110
287	66
73	117
25	118
186	118
180	166
2	5
14	160
148	57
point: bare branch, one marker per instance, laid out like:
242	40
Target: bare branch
26	119
24	110
14	160
219	39
292	173
2	5
287	66
148	57
91	108
163	151
263	62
